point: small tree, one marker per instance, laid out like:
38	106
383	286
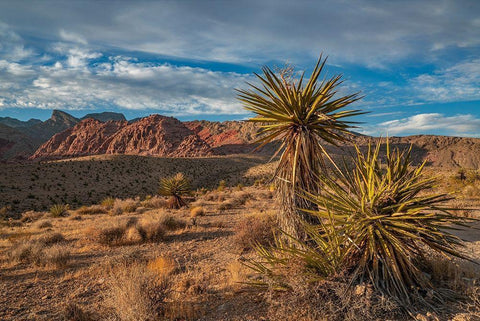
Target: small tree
302	116
175	187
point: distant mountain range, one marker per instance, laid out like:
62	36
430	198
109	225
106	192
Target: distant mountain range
64	136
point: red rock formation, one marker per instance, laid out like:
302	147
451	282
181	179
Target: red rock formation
158	135
154	135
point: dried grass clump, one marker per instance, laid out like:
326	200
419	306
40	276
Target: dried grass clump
172	223
31	216
134	293
57	255
92	210
151	230
110	236
197	211
124	206
108	202
255	229
74	312
41	252
131	232
240	198
43	224
226	205
162	266
472	191
331	300
154	202
50	238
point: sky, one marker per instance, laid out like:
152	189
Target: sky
416	62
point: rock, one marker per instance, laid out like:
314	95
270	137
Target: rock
154	135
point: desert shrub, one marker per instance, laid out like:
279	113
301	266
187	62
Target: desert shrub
5	212
226	205
197	211
256	229
23	252
152	230
154	202
174	187
171	223
132	235
108	202
134	293
221	186
58	210
110	236
472	191
43	224
162	266
331	300
124	206
92	210
40	253
57	255
133	232
73	312
31	216
50	238
240	198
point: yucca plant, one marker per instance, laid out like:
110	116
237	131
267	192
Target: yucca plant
174	186
390	220
302	115
58	210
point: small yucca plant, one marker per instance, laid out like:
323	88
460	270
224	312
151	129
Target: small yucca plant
175	187
389	218
302	115
58	210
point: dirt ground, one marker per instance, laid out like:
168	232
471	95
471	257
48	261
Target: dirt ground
205	280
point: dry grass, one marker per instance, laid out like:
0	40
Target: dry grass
43	224
110	236
255	229
151	230
134	293
171	223
197	211
108	202
124	206
50	238
179	273
154	202
162	266
43	251
92	210
73	312
31	216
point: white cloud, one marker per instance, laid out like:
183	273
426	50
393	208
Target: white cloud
121	82
431	123
72	37
458	82
364	31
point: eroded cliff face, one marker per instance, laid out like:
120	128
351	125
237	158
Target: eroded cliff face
154	135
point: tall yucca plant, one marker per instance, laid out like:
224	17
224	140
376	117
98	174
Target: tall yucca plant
389	220
302	115
175	187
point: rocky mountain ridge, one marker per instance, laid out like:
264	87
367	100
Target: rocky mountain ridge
166	136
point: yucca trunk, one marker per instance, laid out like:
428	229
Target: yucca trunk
305	162
302	116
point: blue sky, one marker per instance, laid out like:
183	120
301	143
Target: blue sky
416	62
